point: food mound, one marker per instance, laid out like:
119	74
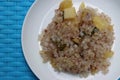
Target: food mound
78	42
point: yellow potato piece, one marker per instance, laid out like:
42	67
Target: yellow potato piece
100	23
108	54
82	5
65	4
76	40
69	13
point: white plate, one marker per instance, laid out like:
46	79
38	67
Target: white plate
38	17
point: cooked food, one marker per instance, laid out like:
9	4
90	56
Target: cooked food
69	13
78	42
65	4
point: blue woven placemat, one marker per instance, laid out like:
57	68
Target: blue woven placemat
12	63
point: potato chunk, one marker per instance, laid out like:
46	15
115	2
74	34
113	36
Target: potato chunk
76	40
65	4
108	54
100	23
69	13
82	5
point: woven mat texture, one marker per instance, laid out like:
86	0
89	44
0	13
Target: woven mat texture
12	62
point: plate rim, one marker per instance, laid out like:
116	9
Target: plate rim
22	33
